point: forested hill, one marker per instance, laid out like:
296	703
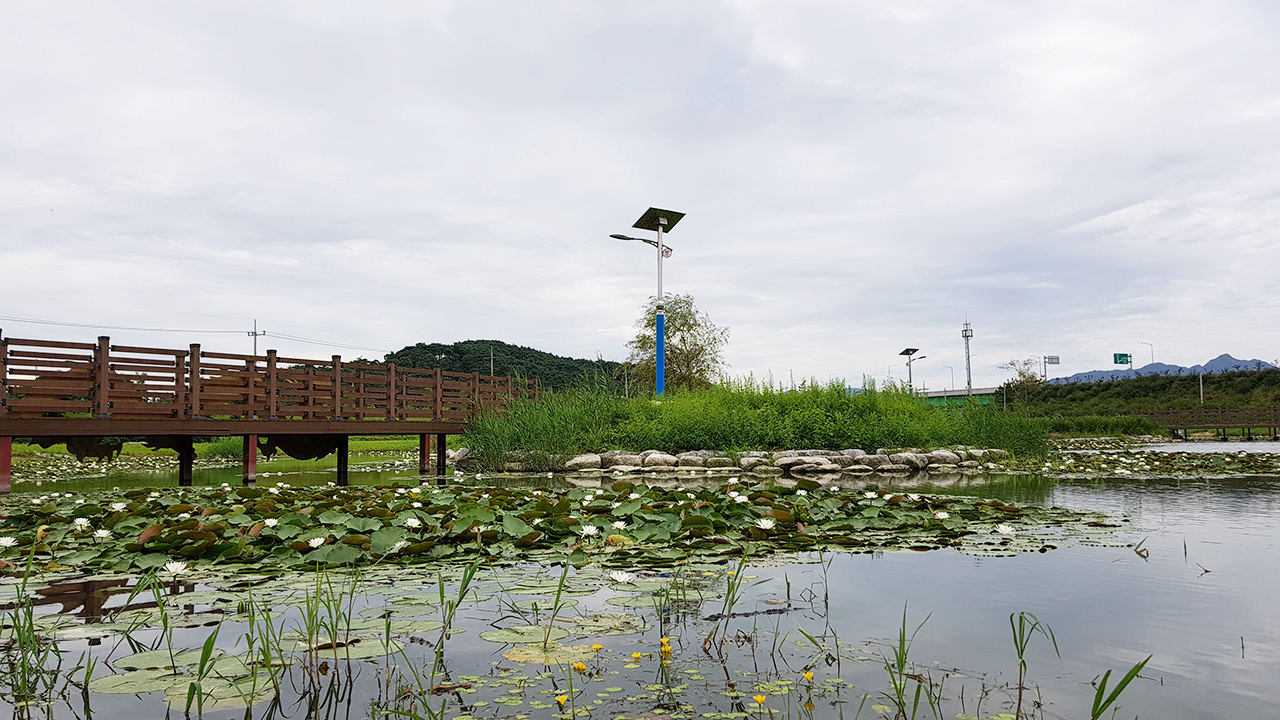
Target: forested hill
1237	389
552	371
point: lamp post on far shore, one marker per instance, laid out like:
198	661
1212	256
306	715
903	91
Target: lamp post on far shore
910	353
967	334
660	221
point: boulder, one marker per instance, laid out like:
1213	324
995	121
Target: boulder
912	460
658	459
788	463
853	452
748	463
766	471
816	468
625	468
843	460
786	453
943	457
647	453
998	453
812	453
609	460
719	462
855	470
977	454
894	468
589	461
690	460
970	464
754	454
873	461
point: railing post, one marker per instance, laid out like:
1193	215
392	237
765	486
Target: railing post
272	399
102	378
391	392
6	464
250	476
193	381
179	387
4	375
424	454
336	411
438	410
475	394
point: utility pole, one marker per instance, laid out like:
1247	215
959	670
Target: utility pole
255	334
967	334
490	360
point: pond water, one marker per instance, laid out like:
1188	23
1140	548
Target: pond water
1198	595
1231	446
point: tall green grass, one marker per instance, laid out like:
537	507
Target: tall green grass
739	416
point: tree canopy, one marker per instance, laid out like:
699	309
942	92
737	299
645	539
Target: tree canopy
552	371
694	346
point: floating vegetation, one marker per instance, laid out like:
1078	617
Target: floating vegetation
1138	463
172	530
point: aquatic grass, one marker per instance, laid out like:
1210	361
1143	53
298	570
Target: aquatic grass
31	660
195	689
899	667
1024	628
1102	701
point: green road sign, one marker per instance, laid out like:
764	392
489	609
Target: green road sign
1122	358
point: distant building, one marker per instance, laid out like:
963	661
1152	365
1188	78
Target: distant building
982	396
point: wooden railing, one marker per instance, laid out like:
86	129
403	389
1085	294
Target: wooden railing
45	377
1216	418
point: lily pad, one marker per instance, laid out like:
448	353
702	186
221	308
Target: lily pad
553	653
523	634
153	659
139	681
611	624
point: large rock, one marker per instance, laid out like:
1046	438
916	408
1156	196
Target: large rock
719	462
943	457
691	460
766	471
785	454
659	459
816	468
915	461
812	453
609	460
873	461
853	452
748	463
788	463
843	460
589	461
754	454
894	468
998	453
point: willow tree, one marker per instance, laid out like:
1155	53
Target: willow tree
694	346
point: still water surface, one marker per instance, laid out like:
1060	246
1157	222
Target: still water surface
1203	603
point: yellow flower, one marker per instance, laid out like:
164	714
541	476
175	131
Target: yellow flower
760	699
733	572
808	676
580	667
635	656
562	699
664	641
597	647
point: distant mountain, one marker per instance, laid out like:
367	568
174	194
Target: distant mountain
552	371
1222	363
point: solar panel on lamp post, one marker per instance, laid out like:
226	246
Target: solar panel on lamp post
910	353
661	222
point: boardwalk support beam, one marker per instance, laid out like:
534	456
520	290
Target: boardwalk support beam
344	443
6	464
440	443
250	460
186	459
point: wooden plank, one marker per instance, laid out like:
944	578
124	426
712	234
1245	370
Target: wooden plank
49	355
42	405
234	356
86	365
146	350
51	344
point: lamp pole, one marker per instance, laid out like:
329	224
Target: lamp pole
953	376
967	334
1153	350
910	354
662	222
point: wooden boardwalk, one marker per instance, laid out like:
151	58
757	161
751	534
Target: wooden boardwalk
1219	420
53	390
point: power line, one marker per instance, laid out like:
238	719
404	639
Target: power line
282	336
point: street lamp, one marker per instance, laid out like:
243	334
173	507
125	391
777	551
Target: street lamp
660	221
967	334
1153	351
953	376
910	353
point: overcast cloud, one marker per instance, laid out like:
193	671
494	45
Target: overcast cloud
1076	177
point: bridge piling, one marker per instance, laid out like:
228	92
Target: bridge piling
440	443
424	455
6	464
250	478
186	459
344	443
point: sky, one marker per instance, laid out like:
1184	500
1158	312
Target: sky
1073	178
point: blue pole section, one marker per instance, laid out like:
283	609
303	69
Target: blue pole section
660	372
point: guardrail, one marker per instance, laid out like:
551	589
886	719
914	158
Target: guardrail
1247	419
44	378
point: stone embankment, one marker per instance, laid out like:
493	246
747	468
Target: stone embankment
791	463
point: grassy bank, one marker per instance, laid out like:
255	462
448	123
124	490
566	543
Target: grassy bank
233	447
743	416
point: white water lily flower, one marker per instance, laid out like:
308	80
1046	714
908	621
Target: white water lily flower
274	490
538	521
691	496
742	499
733	493
620	576
271	522
590	530
102	534
398	547
183	516
588	498
118	506
869	494
913	497
732	480
538	492
315	542
615	505
416	504
765	523
634	496
81	523
619	525
942	515
413	522
481	529
1004	529
8	542
802	492
176	567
